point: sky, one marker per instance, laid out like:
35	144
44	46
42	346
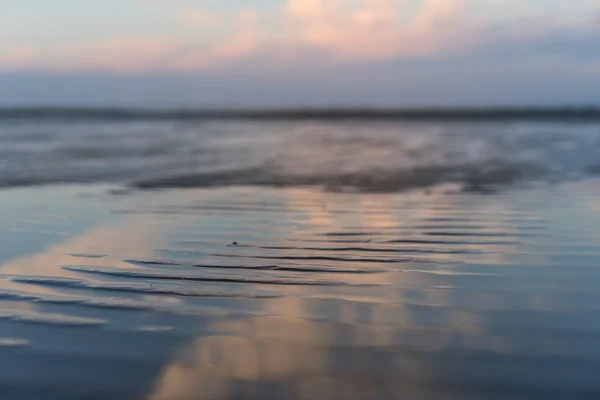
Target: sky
299	53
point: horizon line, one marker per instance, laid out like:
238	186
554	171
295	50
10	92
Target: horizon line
332	112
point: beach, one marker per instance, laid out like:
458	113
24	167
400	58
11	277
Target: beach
300	259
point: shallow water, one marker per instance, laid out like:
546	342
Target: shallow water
339	154
421	295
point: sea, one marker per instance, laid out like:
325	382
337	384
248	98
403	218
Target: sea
299	254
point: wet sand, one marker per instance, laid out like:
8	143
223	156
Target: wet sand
255	293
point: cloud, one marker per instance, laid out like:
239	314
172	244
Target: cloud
18	57
315	8
120	54
200	17
439	11
373	30
303	34
336	28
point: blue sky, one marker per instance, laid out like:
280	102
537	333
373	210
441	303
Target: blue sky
214	53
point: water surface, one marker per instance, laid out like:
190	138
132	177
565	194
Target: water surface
326	295
194	256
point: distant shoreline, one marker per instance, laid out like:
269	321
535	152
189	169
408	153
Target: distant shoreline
408	114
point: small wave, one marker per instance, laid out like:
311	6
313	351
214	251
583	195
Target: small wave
446	273
204	278
12	342
123	287
49	319
453	242
323	269
113	303
286	268
155	328
326	258
389	250
356	249
471	227
481	234
157	262
16	295
110	303
86	255
343	234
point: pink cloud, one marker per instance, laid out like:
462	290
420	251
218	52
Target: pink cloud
373	31
121	54
242	42
315	8
370	31
340	31
439	11
18	57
